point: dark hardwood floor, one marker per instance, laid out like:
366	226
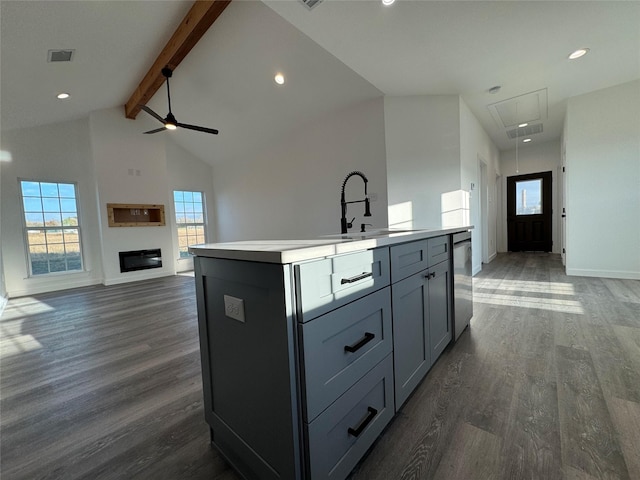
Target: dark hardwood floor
104	383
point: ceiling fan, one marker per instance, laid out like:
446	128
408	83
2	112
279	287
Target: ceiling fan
170	122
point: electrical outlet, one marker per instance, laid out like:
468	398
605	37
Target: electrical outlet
234	308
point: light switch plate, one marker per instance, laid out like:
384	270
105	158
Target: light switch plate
234	308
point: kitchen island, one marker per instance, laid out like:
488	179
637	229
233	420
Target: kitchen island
310	347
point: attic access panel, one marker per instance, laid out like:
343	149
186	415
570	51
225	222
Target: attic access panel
530	107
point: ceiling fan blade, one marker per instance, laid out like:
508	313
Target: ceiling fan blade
152	113
156	130
198	129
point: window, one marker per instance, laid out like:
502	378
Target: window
51	227
529	197
189	219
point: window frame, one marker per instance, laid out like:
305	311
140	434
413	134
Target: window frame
44	228
189	224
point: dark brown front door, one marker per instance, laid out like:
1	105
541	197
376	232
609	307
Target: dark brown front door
529	212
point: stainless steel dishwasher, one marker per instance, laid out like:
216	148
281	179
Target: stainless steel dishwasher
462	282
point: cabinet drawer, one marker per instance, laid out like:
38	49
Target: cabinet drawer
326	284
439	249
341	346
339	437
408	258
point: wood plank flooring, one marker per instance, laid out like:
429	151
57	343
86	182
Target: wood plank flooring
104	383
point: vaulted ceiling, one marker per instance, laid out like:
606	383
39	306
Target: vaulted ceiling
337	54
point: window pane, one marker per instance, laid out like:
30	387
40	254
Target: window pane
529	197
189	219
71	235
36	237
57	264
74	260
54	242
68	205
49	189
38	250
67	190
52	219
34	219
51	249
32	204
30	189
51	204
70	219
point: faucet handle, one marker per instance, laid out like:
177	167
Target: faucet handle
350	224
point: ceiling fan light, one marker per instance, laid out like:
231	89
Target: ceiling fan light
170	126
388	2
63	95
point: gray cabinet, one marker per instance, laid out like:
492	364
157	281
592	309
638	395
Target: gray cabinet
343	345
421	311
305	364
411	345
439	309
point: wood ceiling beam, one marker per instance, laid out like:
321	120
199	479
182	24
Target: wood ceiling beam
193	26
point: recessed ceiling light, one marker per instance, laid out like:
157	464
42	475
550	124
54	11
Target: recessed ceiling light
526	140
279	78
388	2
581	52
523	125
63	95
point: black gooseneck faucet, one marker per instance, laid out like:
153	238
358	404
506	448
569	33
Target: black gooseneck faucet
344	225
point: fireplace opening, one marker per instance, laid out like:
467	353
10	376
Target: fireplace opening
140	260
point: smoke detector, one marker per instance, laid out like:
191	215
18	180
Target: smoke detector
60	55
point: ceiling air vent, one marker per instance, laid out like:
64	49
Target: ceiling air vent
60	55
525	131
310	3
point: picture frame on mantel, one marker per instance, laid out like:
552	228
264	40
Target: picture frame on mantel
135	215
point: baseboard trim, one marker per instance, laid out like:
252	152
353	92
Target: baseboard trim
620	274
52	287
133	277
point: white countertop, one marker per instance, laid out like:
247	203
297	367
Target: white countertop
290	251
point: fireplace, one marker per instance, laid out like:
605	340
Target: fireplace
140	260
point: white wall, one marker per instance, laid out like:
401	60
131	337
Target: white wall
423	157
602	139
130	168
475	148
103	155
58	152
292	190
186	172
434	148
534	158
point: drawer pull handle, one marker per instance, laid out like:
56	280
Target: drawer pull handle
368	336
356	278
370	416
